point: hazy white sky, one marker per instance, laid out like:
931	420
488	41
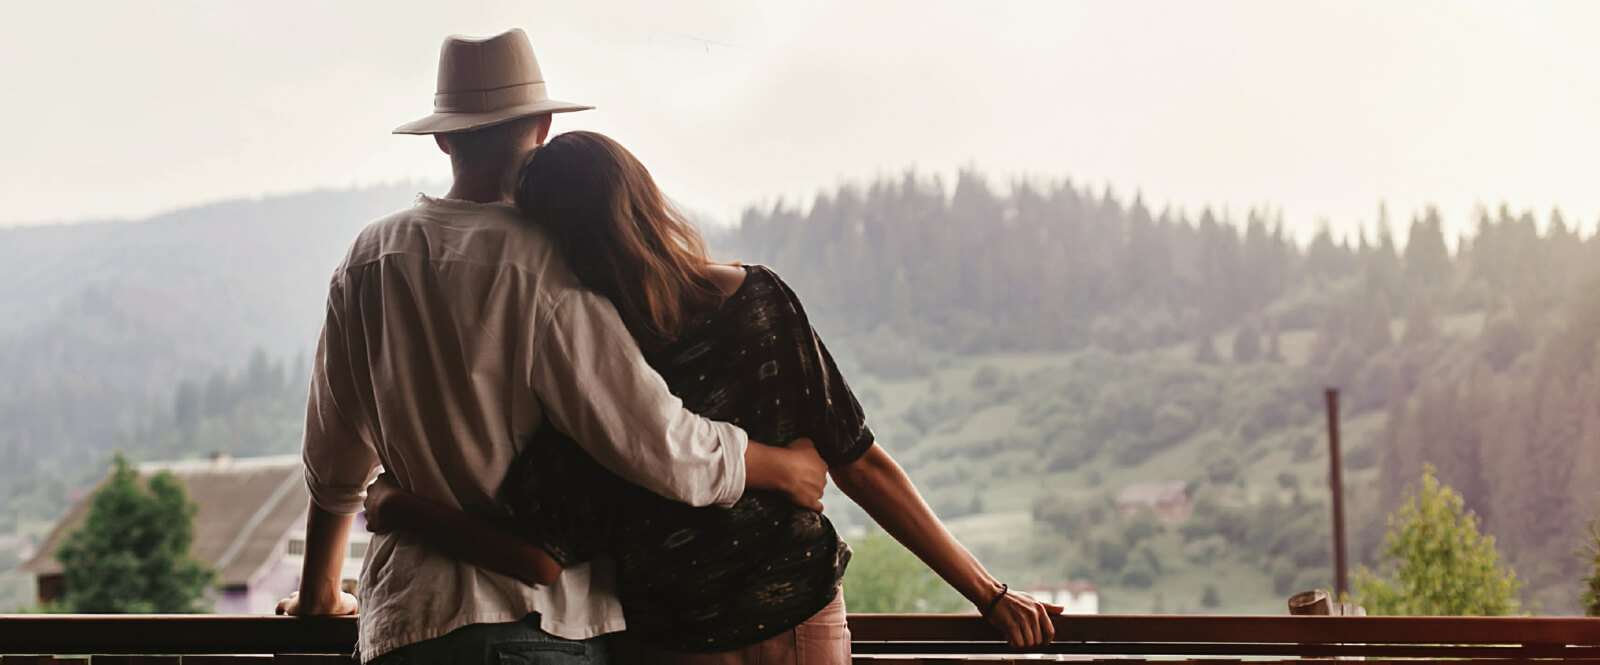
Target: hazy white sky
123	109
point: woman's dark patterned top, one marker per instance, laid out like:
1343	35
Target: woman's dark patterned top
710	579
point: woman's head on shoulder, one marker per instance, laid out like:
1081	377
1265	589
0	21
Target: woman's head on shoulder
618	232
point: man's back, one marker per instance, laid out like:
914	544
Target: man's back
454	329
439	305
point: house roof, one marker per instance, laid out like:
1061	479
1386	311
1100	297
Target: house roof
246	505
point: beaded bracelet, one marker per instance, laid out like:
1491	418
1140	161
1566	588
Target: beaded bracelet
996	602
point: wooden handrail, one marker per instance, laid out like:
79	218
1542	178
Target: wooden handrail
141	634
1245	629
1237	636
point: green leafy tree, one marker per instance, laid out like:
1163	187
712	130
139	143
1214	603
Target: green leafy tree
1436	562
1589	599
884	577
132	553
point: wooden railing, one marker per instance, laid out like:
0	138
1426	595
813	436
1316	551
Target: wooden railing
904	639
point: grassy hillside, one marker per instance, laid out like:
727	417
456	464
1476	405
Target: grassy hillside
990	437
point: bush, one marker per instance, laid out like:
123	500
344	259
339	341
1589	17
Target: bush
1139	531
1197	529
1149	558
1272	412
1222	470
1139	578
885	577
1056	512
1173	423
1205	550
1140	573
1066	460
1288	481
1097	513
1142	570
1068	448
1234	526
1111	556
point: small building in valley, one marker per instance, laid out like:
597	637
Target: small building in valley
1168	501
250	527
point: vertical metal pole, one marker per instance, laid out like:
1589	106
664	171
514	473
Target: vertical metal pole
1336	484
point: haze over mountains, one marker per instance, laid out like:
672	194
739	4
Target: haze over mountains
1026	354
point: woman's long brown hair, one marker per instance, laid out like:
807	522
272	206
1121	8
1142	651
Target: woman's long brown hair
619	234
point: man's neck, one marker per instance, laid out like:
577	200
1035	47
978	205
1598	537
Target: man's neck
473	192
478	185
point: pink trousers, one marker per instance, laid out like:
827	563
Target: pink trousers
824	639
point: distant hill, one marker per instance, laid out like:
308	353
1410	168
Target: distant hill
1025	353
99	321
217	280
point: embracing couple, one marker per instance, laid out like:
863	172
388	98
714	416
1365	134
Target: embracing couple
597	444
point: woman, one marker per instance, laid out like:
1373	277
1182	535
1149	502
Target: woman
760	580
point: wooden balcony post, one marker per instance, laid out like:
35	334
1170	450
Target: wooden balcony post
1341	566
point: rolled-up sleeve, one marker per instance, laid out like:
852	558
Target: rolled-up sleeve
596	386
340	462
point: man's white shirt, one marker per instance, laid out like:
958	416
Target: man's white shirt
453	330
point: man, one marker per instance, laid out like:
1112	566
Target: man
453	329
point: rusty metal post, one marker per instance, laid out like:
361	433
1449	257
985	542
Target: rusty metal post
1336	484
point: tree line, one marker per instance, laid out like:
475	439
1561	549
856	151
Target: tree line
1506	404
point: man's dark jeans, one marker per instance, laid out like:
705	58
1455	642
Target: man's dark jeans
516	643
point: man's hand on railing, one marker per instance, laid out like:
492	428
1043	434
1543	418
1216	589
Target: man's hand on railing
796	470
1023	619
293	606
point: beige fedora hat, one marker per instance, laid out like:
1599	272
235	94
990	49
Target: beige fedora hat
484	82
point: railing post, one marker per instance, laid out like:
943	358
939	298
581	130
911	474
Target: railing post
1336	484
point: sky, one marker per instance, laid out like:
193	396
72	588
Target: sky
1319	110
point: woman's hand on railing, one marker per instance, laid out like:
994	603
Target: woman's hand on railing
293	606
1023	619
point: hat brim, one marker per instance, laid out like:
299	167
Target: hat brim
447	123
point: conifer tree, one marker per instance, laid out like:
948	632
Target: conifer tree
1427	258
1246	344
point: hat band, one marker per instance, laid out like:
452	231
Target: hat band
484	101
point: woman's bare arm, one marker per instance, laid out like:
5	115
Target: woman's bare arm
458	534
881	487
